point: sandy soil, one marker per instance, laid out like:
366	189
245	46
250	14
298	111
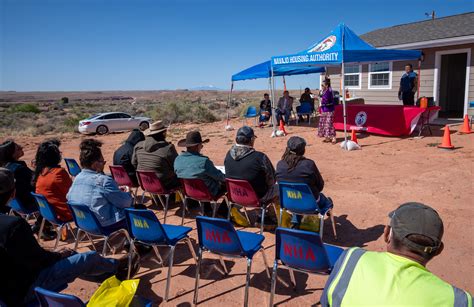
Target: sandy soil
365	185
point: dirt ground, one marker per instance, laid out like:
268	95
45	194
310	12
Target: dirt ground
365	185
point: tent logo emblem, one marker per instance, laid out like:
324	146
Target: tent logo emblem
325	44
361	118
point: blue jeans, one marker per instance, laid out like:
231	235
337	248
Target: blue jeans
285	115
89	266
324	204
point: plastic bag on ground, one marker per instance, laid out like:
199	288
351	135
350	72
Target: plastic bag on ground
113	292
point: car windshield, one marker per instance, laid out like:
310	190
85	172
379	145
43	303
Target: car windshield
94	116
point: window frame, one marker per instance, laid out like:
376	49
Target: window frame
350	87
380	87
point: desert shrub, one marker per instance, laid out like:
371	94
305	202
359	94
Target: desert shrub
24	108
65	100
181	112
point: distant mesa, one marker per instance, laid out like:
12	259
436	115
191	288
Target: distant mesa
206	88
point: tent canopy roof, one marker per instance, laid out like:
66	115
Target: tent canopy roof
342	45
264	70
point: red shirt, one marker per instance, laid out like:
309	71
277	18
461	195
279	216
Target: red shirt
54	184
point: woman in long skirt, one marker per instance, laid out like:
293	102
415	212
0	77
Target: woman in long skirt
326	121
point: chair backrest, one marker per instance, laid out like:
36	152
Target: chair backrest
218	236
121	176
85	219
304	108
251	111
241	192
196	189
149	182
49	298
301	250
16	206
297	197
144	226
46	210
72	167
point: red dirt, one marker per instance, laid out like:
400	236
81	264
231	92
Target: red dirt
365	185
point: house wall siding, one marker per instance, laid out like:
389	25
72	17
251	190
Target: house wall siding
390	96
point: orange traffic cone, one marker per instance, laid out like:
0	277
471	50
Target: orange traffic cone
282	126
446	144
354	136
466	127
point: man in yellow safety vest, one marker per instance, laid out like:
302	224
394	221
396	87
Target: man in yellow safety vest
397	277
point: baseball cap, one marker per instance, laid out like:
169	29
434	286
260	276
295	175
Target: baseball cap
7	180
296	144
246	132
416	218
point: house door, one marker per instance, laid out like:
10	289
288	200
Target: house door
452	85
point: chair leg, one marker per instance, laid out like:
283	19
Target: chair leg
246	215
170	266
58	235
40	232
104	249
92	241
68	225
184	208
191	248
167	200
331	215
202	208
130	256
281	217
158	255
247	283
214	208
196	285
223	266
292	278
274	281
265	261
143	198
262	220
78	237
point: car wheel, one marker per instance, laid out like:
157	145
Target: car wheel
144	125
102	129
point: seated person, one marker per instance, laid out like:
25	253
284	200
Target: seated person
10	153
123	155
295	167
192	164
397	277
306	98
284	107
52	181
25	264
265	109
244	162
99	192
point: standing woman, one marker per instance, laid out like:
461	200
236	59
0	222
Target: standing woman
52	181
326	121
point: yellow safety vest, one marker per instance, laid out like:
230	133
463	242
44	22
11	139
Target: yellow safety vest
363	278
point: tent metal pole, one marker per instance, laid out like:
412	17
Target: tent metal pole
344	106
228	101
418	80
273	101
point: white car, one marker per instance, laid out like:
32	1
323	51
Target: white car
112	122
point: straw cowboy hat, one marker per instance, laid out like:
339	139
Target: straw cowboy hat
155	128
193	138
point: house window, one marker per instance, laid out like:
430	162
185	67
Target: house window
380	75
352	76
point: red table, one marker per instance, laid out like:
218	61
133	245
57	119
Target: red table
389	120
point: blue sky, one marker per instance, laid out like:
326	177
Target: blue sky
66	45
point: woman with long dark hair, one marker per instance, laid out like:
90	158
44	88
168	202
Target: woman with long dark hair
326	120
295	167
51	179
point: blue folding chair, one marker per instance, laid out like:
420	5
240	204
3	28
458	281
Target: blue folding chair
87	222
17	207
302	251
145	228
48	298
298	198
47	211
251	113
219	237
72	167
304	109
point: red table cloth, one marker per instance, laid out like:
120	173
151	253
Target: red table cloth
389	120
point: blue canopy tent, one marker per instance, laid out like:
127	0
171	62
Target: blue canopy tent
340	47
264	70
